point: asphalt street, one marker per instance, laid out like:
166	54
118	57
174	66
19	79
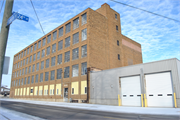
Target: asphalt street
54	113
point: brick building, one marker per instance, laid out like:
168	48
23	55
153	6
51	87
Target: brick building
58	60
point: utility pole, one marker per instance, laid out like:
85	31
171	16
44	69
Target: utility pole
4	34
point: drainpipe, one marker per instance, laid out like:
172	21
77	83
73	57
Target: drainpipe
88	70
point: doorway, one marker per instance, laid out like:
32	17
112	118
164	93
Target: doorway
65	94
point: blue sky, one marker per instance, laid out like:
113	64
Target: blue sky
159	37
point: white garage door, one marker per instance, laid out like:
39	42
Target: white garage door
131	91
159	90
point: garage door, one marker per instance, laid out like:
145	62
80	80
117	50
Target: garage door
131	91
159	90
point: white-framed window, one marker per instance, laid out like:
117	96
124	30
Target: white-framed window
60	31
84	51
84	18
67	56
75	54
84	34
67	41
75	23
75	70
68	27
76	38
54	35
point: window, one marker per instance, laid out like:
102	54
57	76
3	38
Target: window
84	19
118	56
67	42
52	74
84	51
61	32
67	56
19	82
44	42
68	27
116	16
75	23
29	69
48	50
23	71
41	77
35	46
75	54
36	78
116	27
38	55
27	60
31	48
54	48
34	57
31	90
26	70
29	80
22	81
16	82
60	45
30	59
118	42
39	44
33	68
23	62
18	64
59	60
53	59
83	68
72	90
24	52
84	34
76	38
43	53
42	65
49	38
59	73
32	79
47	63
37	66
46	76
54	35
66	72
21	54
27	51
19	72
25	81
85	90
75	70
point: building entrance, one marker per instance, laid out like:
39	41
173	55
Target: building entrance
65	94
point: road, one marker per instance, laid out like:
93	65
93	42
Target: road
51	112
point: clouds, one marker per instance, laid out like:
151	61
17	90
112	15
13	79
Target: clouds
159	37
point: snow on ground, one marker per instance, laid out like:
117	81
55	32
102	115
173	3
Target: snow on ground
6	114
106	108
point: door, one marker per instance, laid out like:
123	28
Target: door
159	90
131	91
66	94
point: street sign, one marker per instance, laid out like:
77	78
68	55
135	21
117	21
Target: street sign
12	18
16	15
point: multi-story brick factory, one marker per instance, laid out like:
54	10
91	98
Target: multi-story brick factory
54	66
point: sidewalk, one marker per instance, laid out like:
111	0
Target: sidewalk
106	108
6	114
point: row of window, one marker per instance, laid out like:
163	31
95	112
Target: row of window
68	29
36	79
75	55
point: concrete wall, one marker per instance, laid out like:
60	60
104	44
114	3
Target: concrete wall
101	91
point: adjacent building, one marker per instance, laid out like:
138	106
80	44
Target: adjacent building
54	66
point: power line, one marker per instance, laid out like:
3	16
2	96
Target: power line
2	6
146	11
37	16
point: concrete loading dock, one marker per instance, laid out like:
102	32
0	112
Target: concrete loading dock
154	84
